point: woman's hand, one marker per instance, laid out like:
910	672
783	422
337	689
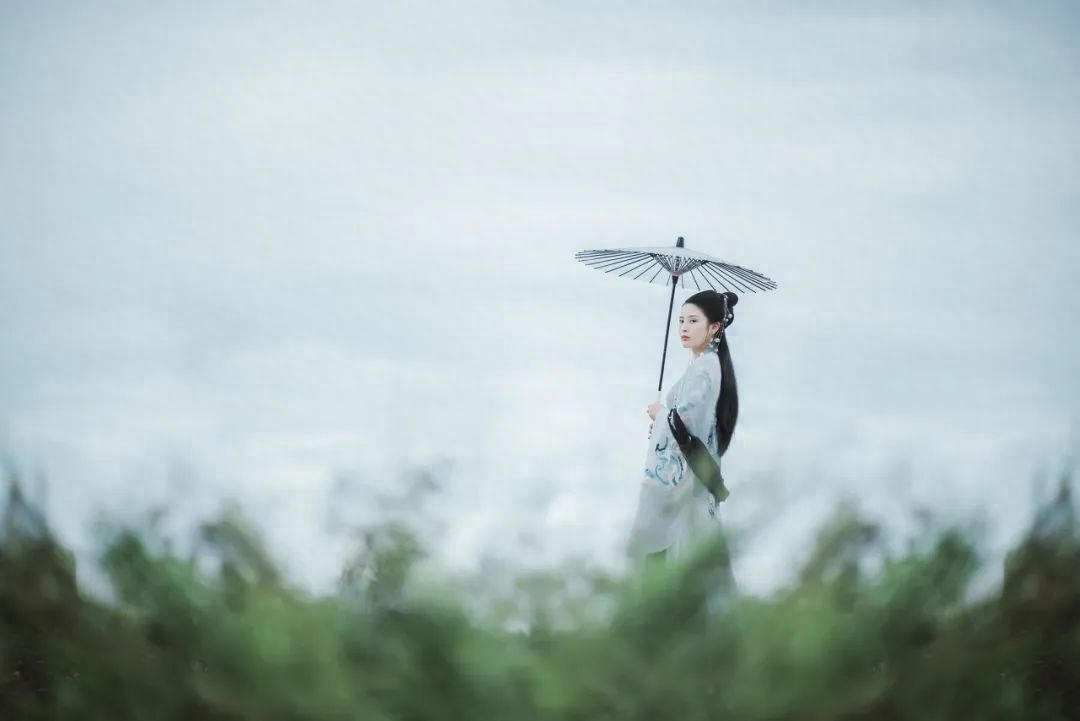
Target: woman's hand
654	409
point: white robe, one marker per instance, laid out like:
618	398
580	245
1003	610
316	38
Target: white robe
675	510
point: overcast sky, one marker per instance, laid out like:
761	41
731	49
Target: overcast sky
260	251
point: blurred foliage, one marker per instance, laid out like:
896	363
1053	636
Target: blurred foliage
222	635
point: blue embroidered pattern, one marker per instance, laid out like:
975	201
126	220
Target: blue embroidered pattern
669	465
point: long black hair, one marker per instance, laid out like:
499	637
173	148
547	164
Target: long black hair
727	405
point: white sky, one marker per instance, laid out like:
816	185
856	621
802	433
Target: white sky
250	250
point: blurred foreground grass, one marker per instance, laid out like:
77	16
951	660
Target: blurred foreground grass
221	635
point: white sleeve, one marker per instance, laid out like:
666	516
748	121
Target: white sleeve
664	464
697	401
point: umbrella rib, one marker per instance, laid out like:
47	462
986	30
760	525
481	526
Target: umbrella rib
752	284
604	251
747	276
752	277
737	279
644	270
704	279
659	269
724	281
606	258
621	260
697	283
643	265
626	266
618	263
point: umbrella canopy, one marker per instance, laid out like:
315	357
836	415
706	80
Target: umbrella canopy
679	266
690	268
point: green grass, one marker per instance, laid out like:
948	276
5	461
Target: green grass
905	641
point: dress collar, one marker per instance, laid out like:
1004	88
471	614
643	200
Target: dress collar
709	350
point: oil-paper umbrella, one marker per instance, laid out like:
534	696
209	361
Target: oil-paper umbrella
676	265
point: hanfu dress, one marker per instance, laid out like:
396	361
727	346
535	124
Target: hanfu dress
675	510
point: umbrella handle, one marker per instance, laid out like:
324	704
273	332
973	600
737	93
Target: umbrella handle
667	329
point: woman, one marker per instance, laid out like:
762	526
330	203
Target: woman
675	509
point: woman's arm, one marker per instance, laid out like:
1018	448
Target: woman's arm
696	403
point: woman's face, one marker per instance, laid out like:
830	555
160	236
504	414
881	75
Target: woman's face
694	327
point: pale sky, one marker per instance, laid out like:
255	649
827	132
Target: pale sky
257	251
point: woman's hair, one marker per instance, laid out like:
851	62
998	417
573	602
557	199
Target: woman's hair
727	405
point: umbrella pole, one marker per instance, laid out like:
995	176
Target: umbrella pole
667	332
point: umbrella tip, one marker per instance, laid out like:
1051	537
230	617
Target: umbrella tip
679	242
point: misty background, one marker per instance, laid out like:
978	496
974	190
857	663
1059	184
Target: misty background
286	255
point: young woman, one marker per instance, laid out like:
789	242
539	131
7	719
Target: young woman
675	509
